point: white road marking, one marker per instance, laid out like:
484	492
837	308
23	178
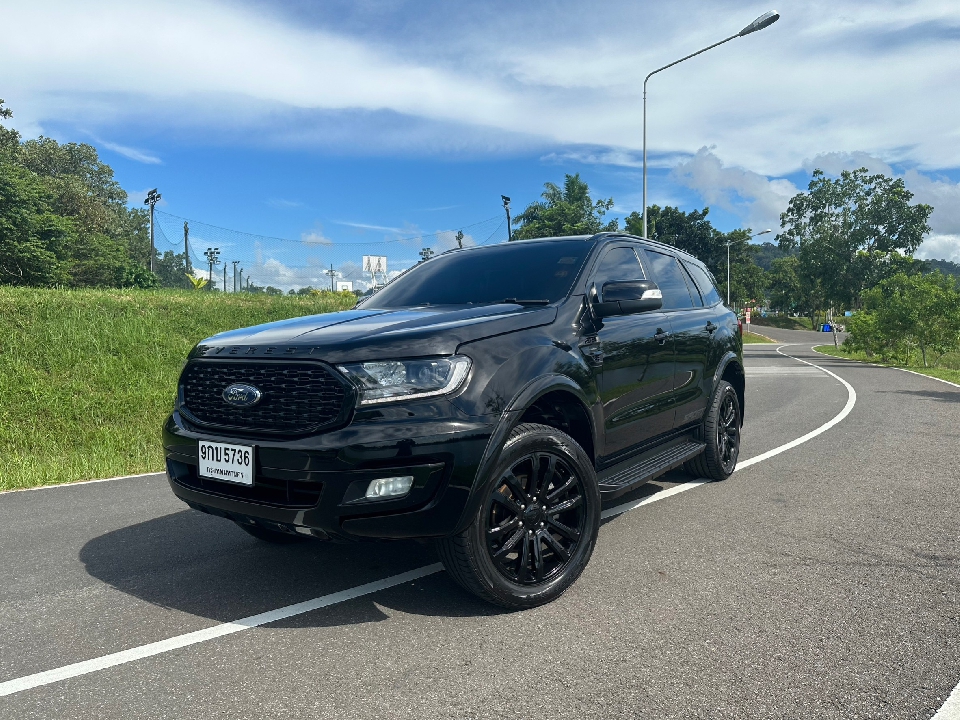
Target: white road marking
888	367
81	482
211	633
676	490
951	708
199	636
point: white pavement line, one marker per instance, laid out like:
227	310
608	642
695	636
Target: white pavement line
888	367
144	651
676	490
81	482
199	636
851	401
951	708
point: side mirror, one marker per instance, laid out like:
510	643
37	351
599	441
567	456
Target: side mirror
626	297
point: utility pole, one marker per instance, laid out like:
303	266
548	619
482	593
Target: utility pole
248	283
506	206
426	254
213	257
235	275
153	197
460	239
224	278
332	273
186	247
241	280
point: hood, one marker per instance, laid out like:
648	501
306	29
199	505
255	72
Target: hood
357	335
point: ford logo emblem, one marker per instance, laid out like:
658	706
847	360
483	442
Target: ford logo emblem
240	395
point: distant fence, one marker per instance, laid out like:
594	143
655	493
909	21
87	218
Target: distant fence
312	261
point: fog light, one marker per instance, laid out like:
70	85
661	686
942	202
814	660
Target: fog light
390	487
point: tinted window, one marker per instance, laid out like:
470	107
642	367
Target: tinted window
619	264
523	271
694	291
705	282
669	278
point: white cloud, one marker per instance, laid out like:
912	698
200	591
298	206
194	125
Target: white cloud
845	74
315	237
755	198
282	204
131	153
940	247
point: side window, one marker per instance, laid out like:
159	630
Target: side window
694	290
705	282
669	277
619	263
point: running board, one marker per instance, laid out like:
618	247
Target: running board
625	480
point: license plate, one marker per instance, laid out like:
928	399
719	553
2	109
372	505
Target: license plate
227	463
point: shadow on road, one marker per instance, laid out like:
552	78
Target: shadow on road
947	396
210	568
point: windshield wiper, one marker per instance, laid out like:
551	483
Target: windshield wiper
525	302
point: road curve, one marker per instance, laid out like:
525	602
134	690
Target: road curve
821	582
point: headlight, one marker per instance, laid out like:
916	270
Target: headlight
392	380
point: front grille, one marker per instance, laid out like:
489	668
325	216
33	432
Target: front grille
296	397
267	491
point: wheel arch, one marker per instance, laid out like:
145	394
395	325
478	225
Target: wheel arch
731	369
554	400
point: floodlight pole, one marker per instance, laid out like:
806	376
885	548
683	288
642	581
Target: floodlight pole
765	20
241	280
153	197
186	247
332	273
235	274
506	206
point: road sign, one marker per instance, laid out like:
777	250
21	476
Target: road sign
748	315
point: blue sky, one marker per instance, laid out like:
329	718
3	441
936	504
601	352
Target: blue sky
368	121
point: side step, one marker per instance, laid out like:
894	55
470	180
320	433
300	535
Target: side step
623	481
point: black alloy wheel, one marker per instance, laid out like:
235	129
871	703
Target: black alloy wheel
534	518
536	525
728	432
721	434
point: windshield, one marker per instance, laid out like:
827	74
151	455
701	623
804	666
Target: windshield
528	271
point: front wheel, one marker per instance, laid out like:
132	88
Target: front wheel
537	526
721	433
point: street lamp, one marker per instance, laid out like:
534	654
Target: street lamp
762	232
765	20
506	206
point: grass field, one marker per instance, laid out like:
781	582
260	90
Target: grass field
782	321
87	376
749	337
949	368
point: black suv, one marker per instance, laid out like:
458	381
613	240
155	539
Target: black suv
489	398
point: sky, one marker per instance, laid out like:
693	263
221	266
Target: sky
368	122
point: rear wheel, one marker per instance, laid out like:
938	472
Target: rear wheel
721	433
537	526
271	536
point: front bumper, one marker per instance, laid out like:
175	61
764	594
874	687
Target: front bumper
314	485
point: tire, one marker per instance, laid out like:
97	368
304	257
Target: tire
271	536
519	551
721	433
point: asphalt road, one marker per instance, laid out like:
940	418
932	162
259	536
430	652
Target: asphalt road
820	582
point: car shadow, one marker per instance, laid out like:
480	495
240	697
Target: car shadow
209	567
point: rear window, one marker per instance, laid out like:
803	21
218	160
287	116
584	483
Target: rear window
705	283
542	270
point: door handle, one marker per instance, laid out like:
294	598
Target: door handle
711	327
661	336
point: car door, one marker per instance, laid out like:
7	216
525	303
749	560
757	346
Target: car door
636	370
692	327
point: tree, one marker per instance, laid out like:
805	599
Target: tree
693	233
845	231
566	211
910	311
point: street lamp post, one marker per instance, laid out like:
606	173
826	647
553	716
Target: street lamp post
506	207
762	232
153	197
765	20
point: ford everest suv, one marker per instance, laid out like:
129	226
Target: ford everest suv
489	398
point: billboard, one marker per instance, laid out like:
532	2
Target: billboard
344	285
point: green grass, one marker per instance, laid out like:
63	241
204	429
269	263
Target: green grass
782	321
749	337
87	376
947	369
